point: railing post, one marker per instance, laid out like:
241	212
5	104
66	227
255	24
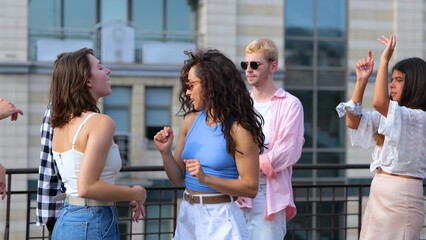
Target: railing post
7	225
360	210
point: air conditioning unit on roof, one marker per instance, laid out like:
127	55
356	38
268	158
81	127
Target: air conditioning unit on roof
117	43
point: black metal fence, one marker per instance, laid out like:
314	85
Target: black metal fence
325	210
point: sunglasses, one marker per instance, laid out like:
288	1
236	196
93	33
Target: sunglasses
254	65
190	85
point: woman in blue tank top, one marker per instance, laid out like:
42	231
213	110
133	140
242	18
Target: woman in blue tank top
218	147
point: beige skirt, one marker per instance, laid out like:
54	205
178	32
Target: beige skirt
395	209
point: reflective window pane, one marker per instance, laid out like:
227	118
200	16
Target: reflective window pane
332	78
294	78
117	106
148	15
305	98
158	117
299	17
158	97
44	14
179	16
331	25
330	158
113	10
305	158
298	52
331	53
120	96
157	109
86	15
330	131
121	118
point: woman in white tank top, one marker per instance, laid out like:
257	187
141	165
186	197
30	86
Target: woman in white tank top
87	158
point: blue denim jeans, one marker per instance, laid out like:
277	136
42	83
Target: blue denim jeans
79	222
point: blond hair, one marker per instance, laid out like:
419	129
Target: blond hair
265	46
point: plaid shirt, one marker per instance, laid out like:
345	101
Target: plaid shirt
49	181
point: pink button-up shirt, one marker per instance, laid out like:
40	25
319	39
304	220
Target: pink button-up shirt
284	150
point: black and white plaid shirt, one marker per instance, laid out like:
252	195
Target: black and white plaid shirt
49	182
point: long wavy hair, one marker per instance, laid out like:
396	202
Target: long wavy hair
69	93
413	94
224	95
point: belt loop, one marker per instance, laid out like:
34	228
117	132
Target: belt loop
201	199
86	202
232	199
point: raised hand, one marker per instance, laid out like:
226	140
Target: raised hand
163	139
8	109
364	67
390	46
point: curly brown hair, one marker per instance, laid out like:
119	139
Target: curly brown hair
225	95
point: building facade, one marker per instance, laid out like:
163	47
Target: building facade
142	42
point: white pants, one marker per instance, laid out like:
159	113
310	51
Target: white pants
222	221
259	228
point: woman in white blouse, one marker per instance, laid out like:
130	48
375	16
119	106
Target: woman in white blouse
397	130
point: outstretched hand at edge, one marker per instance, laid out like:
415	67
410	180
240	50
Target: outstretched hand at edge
390	43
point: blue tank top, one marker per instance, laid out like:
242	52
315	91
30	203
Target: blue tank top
208	145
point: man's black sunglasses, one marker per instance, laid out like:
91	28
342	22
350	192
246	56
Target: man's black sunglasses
253	65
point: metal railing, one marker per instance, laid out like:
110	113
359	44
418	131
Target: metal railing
325	210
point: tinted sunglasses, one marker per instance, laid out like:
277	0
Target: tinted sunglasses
254	65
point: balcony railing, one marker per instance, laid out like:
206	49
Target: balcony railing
325	210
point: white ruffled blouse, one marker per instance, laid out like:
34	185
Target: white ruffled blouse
404	148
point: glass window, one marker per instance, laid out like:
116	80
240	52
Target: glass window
330	132
299	17
86	15
113	10
148	15
57	21
331	53
315	72
332	78
331	25
305	158
313	64
157	109
294	78
179	16
306	98
298	52
117	106
44	14
55	27
331	158
164	20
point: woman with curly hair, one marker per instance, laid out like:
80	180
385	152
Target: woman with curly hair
218	147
